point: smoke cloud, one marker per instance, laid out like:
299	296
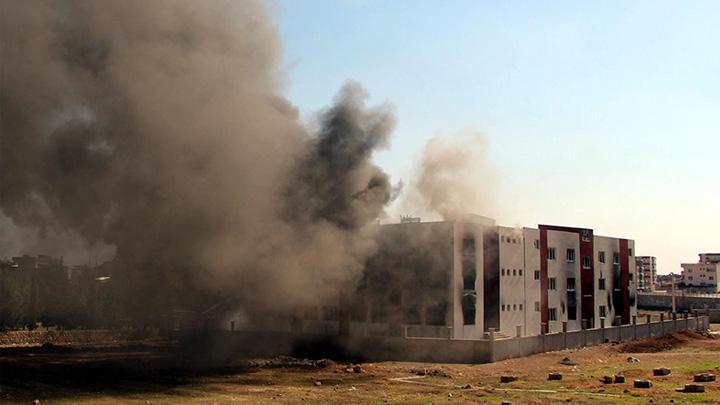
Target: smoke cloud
158	128
453	178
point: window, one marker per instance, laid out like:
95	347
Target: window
519	272
536	244
586	262
502	238
631	276
358	311
601	284
469	245
514	307
551	253
585	235
330	313
411	315
502	272
536	276
310	313
601	257
603	311
378	313
553	314
616	258
514	272
537	306
468	271
572	313
468	308
570	255
502	307
571	284
552	283
520	306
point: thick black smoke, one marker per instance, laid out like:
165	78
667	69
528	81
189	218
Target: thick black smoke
158	127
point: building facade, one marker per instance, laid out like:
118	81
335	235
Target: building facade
704	273
647	272
460	279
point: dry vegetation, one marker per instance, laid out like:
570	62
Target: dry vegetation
157	375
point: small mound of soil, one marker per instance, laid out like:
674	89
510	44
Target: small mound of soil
659	344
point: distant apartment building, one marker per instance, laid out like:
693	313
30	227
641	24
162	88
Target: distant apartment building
460	279
646	267
704	273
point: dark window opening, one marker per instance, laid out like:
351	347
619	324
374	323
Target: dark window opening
537	275
572	313
310	313
571	284
468	308
586	262
330	313
469	273
378	313
469	246
601	284
358	312
411	316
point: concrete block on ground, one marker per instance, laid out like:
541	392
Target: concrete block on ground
704	377
660	371
508	378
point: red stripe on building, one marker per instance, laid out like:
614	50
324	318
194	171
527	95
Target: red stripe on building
625	280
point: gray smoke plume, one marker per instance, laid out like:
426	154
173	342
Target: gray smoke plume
453	178
157	127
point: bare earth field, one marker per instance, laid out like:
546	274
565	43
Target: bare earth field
159	375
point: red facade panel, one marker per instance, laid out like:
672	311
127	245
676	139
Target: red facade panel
625	280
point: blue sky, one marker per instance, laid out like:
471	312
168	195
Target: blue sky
598	114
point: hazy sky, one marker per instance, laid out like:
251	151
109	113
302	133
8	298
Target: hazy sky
598	114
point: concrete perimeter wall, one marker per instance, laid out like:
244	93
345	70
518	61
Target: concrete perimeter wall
518	347
72	337
379	348
682	303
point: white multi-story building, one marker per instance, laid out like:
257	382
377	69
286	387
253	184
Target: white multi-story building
704	273
460	279
647	272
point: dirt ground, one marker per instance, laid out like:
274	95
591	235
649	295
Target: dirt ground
159	375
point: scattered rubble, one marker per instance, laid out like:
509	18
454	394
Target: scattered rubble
430	372
554	377
357	369
619	379
633	360
568	362
660	371
318	383
606	379
288	361
642	384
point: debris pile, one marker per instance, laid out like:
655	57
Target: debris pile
289	361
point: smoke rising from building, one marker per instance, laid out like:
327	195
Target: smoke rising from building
158	128
452	178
